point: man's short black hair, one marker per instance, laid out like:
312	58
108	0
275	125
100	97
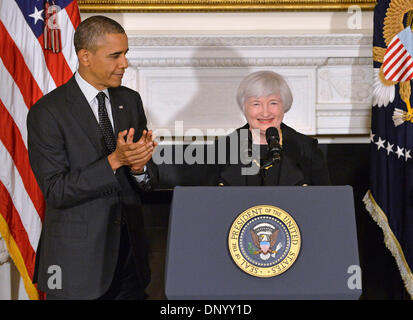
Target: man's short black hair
90	30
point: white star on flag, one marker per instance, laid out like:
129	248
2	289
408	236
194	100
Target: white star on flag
36	15
372	136
380	143
407	155
389	147
399	152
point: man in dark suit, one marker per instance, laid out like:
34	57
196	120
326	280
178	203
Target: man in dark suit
90	151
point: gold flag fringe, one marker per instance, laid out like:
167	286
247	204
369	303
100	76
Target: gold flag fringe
17	258
390	241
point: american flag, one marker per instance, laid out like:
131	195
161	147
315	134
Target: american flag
398	61
36	56
389	199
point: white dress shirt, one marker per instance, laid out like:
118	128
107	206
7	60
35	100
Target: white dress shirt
90	92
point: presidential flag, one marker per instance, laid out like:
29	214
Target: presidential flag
36	56
390	197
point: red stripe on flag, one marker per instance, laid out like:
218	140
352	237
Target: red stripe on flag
388	59
12	217
73	12
389	69
408	67
57	65
13	142
401	52
14	62
393	44
400	67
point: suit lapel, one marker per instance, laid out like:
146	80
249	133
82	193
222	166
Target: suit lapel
82	112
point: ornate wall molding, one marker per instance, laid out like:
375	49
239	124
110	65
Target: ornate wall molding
251	40
226	62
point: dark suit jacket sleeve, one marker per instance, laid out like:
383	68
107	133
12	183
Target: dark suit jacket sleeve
62	186
153	175
319	170
151	167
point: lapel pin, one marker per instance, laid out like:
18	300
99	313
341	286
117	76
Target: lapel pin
120	107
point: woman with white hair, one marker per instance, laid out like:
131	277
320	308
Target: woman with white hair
286	158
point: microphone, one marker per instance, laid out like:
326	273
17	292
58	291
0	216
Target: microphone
273	140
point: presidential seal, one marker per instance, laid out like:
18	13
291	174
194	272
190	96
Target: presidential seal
264	241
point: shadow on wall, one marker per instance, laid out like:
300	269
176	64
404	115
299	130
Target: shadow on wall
206	111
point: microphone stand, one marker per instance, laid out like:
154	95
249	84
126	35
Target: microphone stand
275	152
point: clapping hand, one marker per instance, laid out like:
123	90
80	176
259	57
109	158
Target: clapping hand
133	154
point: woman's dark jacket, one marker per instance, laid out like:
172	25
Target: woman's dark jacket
302	163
